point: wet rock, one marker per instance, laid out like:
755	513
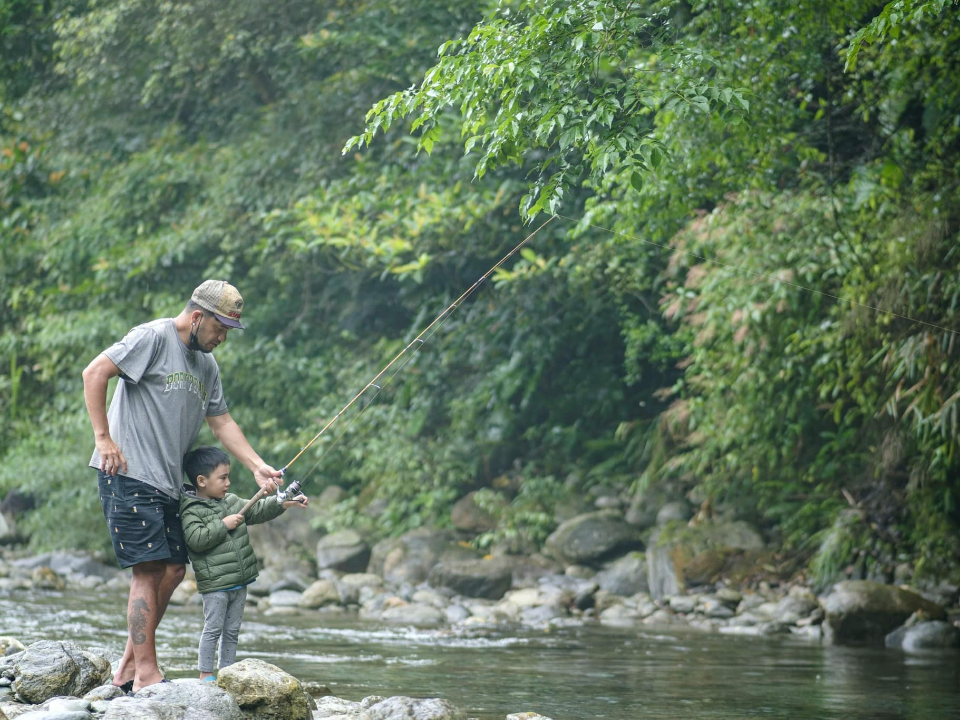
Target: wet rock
107	691
49	668
413	614
345	551
863	611
528	569
264	691
10	645
334	707
410	557
284	598
527	716
676	511
350	586
488	579
930	635
320	594
591	538
70	565
797	604
44	578
406	708
280	578
469	517
626	576
178	700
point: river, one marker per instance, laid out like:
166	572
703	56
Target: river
566	674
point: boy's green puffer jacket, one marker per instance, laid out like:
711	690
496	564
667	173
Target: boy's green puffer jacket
221	558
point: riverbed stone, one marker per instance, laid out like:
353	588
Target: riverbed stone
10	645
413	614
625	576
527	716
264	691
407	708
592	538
488	579
320	594
930	635
107	691
467	516
70	565
410	557
863	611
49	668
345	551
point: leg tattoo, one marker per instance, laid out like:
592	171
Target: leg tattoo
138	622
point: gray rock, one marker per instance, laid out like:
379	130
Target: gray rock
132	708
346	551
488	579
69	564
351	586
320	594
456	614
413	614
49	669
285	598
863	611
931	635
541	615
678	510
798	604
406	708
468	517
527	716
192	698
55	715
591	538
107	691
10	645
626	576
410	557
265	691
334	707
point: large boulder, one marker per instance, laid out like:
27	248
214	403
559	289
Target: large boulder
932	635
678	558
863	611
626	576
345	551
467	516
69	564
181	699
488	579
410	557
264	691
407	708
592	538
49	668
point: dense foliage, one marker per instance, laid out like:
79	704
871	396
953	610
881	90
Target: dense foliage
749	290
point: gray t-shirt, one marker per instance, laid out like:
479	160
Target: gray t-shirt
164	393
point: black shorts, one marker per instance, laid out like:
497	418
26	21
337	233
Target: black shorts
144	523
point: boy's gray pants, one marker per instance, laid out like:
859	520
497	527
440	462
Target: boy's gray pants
222	613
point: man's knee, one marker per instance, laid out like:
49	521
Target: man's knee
152	570
175	573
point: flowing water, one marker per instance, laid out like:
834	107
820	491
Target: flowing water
586	672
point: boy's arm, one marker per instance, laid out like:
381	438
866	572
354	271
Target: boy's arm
200	534
263	510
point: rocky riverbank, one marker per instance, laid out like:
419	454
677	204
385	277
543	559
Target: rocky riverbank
597	568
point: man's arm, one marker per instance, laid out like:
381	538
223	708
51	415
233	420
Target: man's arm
96	376
226	430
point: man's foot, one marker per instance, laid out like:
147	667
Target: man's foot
141	683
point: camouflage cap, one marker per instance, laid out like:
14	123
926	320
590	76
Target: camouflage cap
222	299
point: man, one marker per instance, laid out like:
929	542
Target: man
169	383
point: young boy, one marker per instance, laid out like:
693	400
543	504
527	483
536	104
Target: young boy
219	548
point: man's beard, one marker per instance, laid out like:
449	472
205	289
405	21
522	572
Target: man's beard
194	344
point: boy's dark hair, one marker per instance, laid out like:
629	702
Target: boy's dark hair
203	461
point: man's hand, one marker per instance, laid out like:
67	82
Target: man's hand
231	521
267	478
112	461
299	501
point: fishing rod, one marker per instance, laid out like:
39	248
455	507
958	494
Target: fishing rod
294	488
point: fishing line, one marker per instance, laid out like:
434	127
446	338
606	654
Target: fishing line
759	274
294	487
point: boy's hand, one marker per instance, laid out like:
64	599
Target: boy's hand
231	521
300	501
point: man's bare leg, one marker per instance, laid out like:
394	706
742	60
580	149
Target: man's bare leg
150	591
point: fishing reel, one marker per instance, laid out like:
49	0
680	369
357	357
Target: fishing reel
292	492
